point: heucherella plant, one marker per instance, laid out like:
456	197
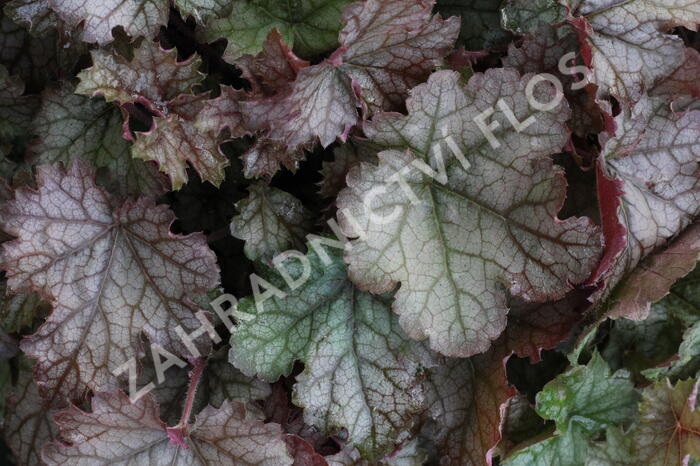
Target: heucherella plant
337	232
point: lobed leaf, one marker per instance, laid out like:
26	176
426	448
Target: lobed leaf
111	274
361	372
485	220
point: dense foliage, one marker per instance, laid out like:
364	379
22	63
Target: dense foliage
326	232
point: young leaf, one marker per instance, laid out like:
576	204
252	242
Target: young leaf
71	126
589	396
309	26
488	218
625	43
581	402
118	431
271	221
152	77
110	273
669	426
174	140
361	372
137	17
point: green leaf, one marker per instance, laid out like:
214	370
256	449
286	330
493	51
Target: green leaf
361	372
590	396
309	26
561	450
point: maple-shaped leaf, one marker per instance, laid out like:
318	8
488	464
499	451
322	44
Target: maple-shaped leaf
137	17
309	26
271	221
361	372
669	426
625	42
581	402
28	423
174	140
111	274
488	218
118	431
466	399
152	77
589	396
203	9
528	15
36	14
481	22
71	126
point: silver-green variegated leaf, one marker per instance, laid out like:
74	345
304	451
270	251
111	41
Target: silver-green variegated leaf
361	372
111	273
309	26
589	396
486	224
626	41
98	18
582	402
70	126
271	221
117	431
